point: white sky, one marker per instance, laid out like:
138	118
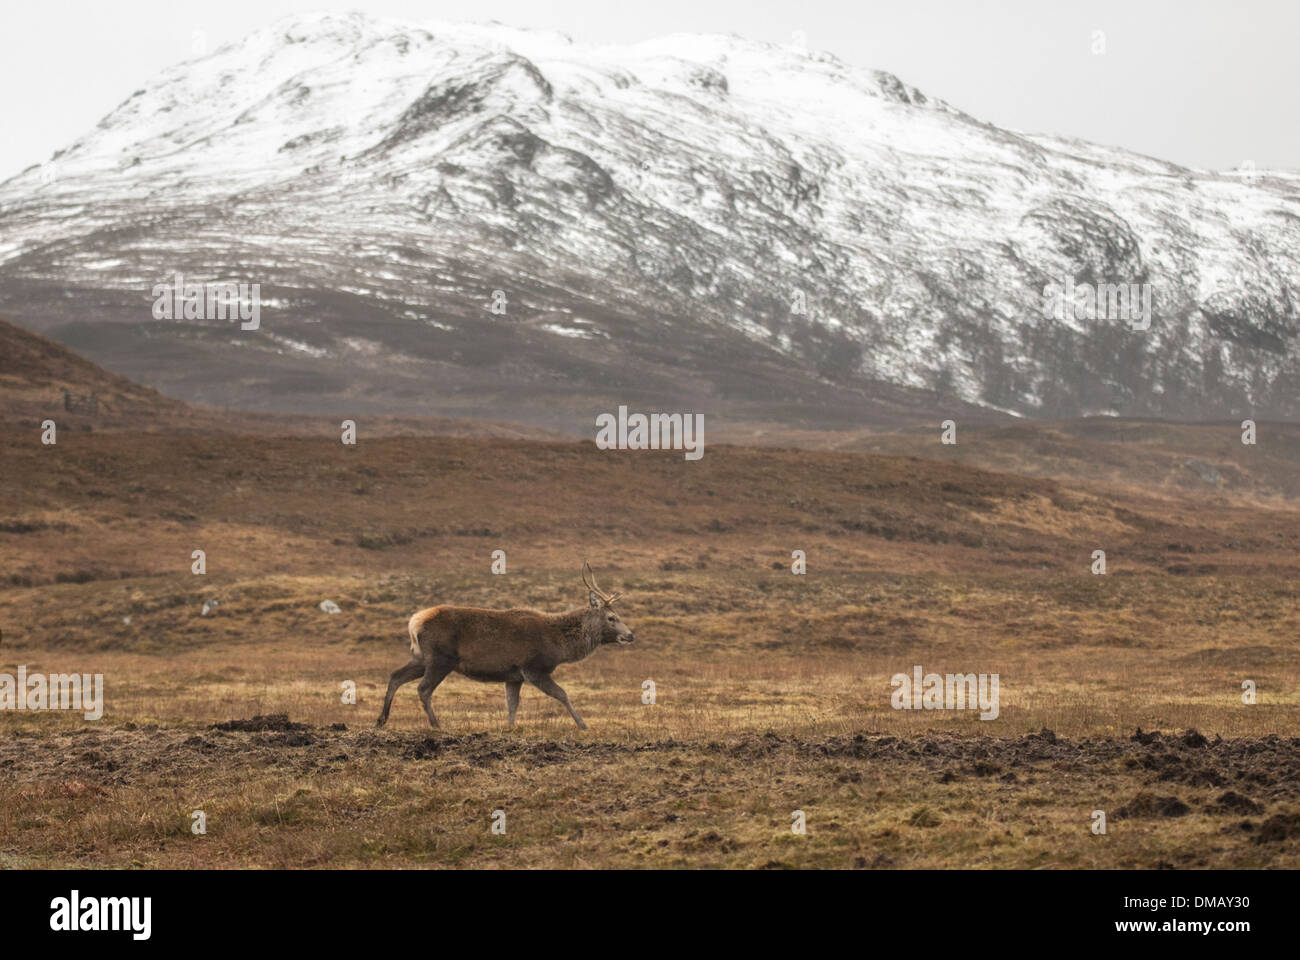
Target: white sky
1207	83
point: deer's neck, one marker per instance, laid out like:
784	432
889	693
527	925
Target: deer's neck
577	640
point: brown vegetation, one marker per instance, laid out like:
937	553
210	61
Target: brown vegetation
772	690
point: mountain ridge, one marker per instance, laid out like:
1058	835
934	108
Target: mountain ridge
741	226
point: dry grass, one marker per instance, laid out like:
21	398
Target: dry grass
773	690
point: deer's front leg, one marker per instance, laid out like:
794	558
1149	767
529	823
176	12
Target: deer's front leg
512	698
544	683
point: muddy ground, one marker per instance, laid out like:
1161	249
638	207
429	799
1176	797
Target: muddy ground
870	800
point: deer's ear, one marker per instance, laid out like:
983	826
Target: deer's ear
593	600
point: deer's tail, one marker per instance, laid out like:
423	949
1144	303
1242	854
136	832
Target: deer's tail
413	627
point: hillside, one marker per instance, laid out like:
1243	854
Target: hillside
1201	462
36	373
1204	463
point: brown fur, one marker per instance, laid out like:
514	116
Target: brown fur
503	646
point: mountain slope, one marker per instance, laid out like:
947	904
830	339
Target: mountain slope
696	222
40	379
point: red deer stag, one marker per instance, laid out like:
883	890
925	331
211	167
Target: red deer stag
506	646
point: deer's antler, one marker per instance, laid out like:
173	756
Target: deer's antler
589	578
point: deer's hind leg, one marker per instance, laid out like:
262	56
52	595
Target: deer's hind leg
434	674
400	676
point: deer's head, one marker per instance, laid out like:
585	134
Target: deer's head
601	620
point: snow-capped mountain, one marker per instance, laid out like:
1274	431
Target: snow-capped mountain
477	220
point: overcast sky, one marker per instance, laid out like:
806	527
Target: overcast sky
1206	83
